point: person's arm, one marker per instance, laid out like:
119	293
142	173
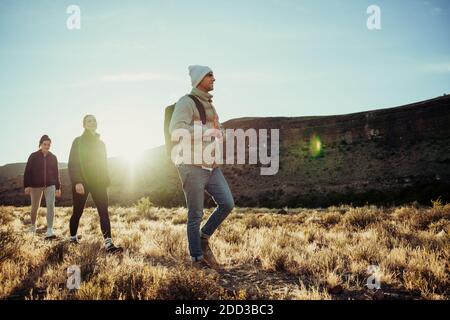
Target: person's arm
221	128
74	164
218	126
182	116
104	158
27	173
57	178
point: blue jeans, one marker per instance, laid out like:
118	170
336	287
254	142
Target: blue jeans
196	181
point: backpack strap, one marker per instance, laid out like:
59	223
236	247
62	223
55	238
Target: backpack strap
200	108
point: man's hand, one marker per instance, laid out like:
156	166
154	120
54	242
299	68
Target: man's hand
79	188
27	190
216	133
58	193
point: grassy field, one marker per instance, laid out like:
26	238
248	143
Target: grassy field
304	254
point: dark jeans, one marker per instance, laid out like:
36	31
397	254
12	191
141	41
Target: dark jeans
195	182
100	197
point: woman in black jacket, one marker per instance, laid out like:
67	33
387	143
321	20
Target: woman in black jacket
88	171
42	177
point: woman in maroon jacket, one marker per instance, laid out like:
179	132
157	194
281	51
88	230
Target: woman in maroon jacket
42	177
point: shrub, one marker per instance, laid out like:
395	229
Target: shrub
359	217
146	208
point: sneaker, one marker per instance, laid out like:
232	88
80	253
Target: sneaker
208	255
32	230
74	240
111	248
50	235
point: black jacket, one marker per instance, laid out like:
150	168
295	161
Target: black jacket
87	161
41	171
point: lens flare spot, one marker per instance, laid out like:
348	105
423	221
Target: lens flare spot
315	146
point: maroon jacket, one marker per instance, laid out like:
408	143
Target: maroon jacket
41	171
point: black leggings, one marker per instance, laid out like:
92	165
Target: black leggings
100	197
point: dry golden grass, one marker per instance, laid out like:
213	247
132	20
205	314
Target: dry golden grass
305	254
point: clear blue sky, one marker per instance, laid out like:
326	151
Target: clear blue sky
270	58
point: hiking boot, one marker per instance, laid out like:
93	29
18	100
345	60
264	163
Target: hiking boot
203	265
208	255
200	264
111	248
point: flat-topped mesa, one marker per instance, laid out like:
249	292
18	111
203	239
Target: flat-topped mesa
392	155
425	119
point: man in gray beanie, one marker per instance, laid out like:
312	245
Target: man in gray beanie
196	178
